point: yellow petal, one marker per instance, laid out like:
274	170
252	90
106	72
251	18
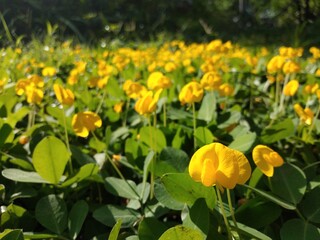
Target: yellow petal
197	161
208	176
258	155
228	170
244	167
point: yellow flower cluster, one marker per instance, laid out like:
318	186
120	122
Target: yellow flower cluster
217	164
32	87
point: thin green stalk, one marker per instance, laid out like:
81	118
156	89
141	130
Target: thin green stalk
194	125
31	116
124	121
101	101
120	174
164	114
5	26
153	161
277	94
231	209
223	213
67	140
282	96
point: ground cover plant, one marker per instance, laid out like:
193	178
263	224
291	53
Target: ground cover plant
159	141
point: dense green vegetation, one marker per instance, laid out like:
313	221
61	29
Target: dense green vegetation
254	22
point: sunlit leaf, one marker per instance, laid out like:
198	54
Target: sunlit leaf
50	158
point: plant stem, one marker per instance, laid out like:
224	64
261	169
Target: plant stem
101	101
153	161
67	139
223	213
194	125
164	115
282	96
231	208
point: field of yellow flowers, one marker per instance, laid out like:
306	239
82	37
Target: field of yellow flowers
159	141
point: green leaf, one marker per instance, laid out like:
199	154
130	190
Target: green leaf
13	217
311	205
177	114
272	198
229	118
31	235
181	232
5	132
49	158
23	176
251	211
296	229
289	182
51	212
198	217
153	137
121	188
84	172
254	179
151	228
178	139
98	145
165	198
250	232
110	214
24	192
184	189
26	165
207	110
147	167
276	132
77	216
57	113
120	133
243	142
203	136
115	230
10	234
177	158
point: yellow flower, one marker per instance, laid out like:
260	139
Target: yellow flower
118	107
48	71
147	103
84	122
157	80
134	89
210	80
64	96
190	93
99	82
2	83
34	95
216	164
291	88
170	66
266	159
226	90
31	87
290	67
275	64
310	88
306	115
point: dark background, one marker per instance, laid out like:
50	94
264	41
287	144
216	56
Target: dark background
258	22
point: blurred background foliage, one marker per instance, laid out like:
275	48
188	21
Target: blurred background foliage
285	22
